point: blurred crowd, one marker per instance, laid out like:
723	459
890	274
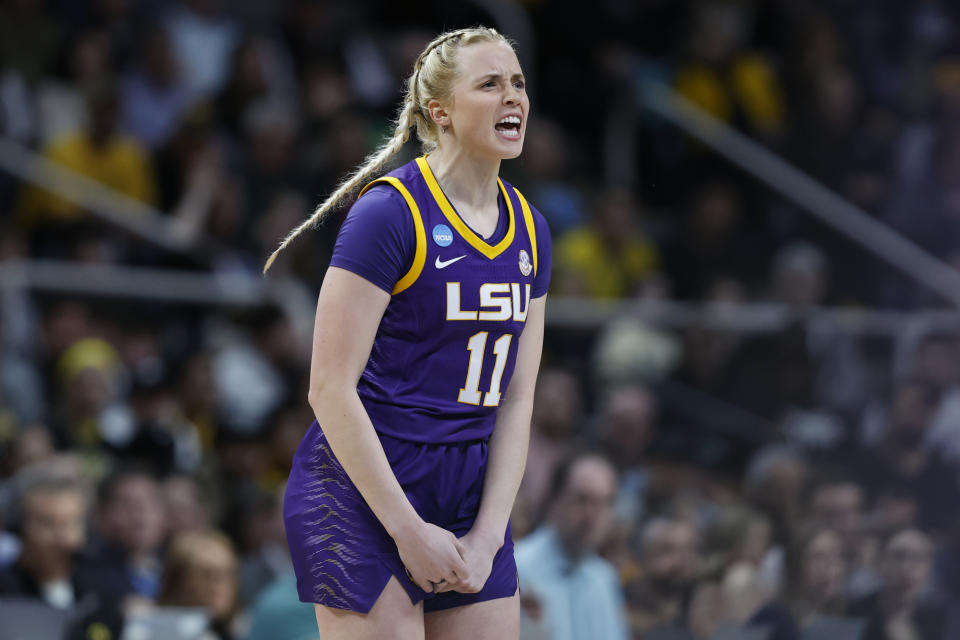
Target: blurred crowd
683	483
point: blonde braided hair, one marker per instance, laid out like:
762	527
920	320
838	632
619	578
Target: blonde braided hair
432	78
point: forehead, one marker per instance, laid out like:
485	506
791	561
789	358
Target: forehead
53	499
593	476
484	58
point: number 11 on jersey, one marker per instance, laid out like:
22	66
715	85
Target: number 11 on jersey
470	393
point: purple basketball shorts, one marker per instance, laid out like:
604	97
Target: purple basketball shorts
342	555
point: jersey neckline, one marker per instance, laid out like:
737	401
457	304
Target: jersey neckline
491	251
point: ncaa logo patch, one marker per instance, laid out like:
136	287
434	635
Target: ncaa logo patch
525	266
442	235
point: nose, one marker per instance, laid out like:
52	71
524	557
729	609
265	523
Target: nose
512	95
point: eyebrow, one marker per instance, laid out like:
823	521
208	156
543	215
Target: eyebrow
496	75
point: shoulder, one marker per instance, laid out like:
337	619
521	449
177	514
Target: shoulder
541	228
602	571
381	201
406	173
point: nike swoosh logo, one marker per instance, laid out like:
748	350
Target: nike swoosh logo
440	264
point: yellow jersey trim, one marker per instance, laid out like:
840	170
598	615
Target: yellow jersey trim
531	228
420	255
490	251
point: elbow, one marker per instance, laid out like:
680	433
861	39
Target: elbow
324	387
318	392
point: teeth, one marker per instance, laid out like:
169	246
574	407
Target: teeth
510	120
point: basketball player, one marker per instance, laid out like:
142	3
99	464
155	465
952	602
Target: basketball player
426	348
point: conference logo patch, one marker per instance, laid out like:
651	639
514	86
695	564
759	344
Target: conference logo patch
525	265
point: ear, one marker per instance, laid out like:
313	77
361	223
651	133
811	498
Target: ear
438	113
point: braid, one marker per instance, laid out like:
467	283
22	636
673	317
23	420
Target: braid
440	74
373	163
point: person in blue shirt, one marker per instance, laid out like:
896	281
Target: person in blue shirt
558	563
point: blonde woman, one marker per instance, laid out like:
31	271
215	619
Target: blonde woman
426	348
201	571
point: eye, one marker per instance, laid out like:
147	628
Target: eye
520	84
489	83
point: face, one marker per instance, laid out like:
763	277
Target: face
211	581
823	566
557	403
185	509
911	410
839	507
489	87
906	564
671	554
584	510
629	416
134	518
53	525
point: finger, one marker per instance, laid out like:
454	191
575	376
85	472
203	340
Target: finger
423	584
462	550
453	579
459	566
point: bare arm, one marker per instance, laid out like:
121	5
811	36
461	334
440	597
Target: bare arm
349	310
507	454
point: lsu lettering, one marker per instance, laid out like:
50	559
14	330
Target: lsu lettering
504	297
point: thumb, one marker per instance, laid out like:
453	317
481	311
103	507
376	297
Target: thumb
461	549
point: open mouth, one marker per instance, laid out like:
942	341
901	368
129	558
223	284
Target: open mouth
509	127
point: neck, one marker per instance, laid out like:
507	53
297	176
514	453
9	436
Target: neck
573	551
464	178
46	568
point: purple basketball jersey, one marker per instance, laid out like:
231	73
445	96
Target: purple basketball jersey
445	351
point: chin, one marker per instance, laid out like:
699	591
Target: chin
510	151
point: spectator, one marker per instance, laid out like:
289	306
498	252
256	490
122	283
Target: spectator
558	564
201	571
936	359
278	614
626	427
62	108
721	77
185	508
774	484
203	39
737	547
816	572
713	242
669	557
53	512
557	410
153	96
902	608
130	522
99	152
610	257
33	444
547	156
900	461
91	375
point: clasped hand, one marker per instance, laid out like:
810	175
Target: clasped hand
438	561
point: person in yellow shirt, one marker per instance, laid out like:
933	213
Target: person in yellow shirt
611	256
98	152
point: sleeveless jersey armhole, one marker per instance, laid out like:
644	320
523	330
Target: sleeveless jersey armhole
539	233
